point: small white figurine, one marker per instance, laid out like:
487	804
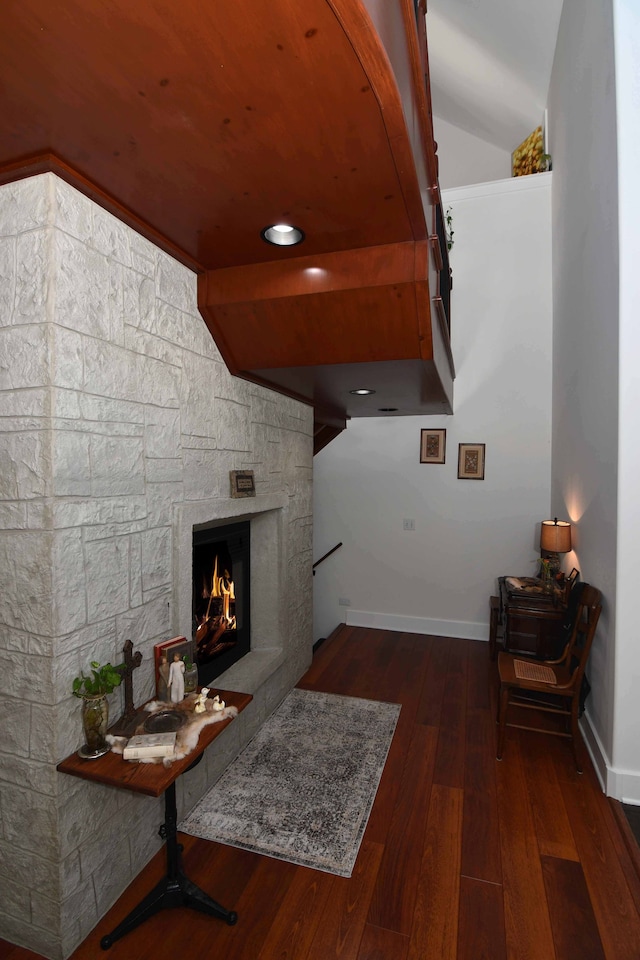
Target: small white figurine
176	679
218	704
201	700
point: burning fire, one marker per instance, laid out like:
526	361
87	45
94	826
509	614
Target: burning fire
213	625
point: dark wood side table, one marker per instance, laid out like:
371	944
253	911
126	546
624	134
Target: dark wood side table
154	780
532	619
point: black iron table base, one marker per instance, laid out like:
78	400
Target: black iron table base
174	890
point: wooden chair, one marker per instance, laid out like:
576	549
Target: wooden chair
558	693
494	616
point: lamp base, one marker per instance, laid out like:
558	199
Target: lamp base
554	564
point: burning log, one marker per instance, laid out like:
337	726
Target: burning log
213	630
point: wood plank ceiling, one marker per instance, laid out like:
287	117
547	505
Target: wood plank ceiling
200	124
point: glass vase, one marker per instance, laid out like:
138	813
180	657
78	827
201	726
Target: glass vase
95	720
191	679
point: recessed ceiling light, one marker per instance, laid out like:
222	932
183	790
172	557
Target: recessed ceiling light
362	392
282	235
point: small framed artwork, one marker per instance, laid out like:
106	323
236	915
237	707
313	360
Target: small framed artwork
471	461
242	483
163	654
569	583
432	446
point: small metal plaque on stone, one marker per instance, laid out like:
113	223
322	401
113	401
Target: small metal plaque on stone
242	483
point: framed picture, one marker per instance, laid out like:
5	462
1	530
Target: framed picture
432	446
242	483
471	461
569	582
167	649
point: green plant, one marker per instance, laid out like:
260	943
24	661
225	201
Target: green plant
188	662
545	568
449	222
103	680
544	163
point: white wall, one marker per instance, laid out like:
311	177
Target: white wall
465	159
438	578
582	118
626	721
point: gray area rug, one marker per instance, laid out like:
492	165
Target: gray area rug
303	788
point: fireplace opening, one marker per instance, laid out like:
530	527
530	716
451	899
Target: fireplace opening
221	603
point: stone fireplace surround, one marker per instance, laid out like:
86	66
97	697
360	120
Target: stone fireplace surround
120	424
268	582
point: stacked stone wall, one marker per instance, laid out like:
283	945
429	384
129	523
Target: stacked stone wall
115	409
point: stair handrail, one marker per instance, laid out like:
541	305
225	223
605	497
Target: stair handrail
327	554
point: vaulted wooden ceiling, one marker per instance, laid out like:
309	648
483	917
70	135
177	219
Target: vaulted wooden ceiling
200	124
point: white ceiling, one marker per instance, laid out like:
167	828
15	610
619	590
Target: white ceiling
490	64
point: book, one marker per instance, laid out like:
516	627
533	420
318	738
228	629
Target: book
150	745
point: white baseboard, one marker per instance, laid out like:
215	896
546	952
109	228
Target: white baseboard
466	630
622	785
596	752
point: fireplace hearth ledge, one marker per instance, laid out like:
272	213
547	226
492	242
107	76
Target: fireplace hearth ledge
249	673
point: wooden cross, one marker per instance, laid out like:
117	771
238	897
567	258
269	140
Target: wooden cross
125	670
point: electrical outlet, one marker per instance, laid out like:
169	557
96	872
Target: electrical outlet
408	524
344	602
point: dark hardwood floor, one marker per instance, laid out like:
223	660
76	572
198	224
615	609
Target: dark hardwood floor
632	815
464	857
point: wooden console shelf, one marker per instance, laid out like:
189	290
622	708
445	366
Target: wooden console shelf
151	779
154	779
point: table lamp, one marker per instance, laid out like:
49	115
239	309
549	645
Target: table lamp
555	538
